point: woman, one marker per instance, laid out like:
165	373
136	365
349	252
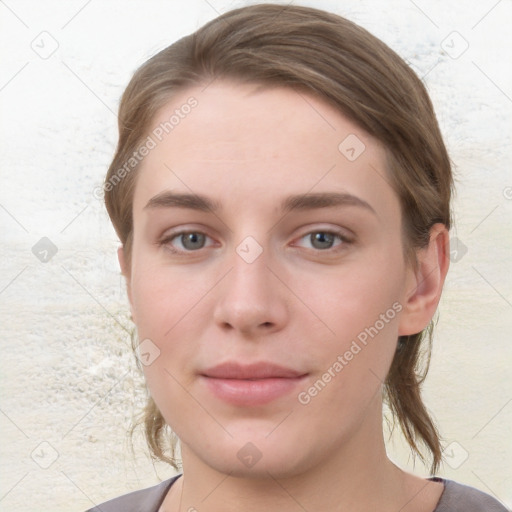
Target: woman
282	194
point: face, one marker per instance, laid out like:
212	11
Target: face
293	279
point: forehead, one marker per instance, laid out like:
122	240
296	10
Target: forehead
250	120
242	142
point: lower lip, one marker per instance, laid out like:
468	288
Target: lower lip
243	392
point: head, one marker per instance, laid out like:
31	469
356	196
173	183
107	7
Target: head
263	103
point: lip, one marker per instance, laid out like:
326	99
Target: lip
253	384
260	370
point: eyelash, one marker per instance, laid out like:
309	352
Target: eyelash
341	236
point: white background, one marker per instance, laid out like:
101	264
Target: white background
69	380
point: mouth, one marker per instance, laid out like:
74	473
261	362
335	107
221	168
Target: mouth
251	385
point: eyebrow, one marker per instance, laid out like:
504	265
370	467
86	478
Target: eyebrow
297	202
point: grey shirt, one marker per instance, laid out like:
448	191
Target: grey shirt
455	498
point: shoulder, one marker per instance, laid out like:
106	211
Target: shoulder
458	497
144	500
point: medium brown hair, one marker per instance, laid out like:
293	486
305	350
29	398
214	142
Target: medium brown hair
341	63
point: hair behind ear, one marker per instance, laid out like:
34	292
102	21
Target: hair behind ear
403	394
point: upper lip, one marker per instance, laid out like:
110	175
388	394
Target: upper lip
260	370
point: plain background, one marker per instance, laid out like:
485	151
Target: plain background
70	386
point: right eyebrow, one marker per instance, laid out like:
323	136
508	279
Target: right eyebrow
193	201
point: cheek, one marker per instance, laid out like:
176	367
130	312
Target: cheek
163	310
168	310
361	309
357	298
351	373
162	299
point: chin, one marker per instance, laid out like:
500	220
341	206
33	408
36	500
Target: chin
256	456
276	465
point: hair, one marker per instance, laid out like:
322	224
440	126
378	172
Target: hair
332	58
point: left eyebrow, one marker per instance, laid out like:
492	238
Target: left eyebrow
308	201
323	200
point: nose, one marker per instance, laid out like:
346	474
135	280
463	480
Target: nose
252	298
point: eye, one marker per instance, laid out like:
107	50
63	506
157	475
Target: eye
323	240
193	241
190	241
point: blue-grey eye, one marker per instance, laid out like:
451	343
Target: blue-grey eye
192	241
322	239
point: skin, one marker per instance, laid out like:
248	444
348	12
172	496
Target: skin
299	304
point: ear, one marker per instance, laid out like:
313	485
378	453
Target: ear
425	283
125	271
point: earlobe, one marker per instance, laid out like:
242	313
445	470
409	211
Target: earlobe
426	283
